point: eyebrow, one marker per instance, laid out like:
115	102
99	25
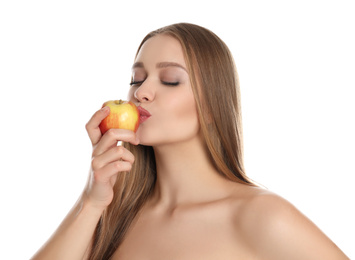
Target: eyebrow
160	65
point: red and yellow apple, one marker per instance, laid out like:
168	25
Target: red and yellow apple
123	115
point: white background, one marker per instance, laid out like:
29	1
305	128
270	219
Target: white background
60	60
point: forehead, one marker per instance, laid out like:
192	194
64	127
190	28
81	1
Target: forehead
161	48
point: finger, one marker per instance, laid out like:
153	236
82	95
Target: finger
112	137
117	153
92	127
104	174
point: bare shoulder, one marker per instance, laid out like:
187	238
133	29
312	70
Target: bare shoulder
275	229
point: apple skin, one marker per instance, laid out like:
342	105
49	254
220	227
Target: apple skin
123	115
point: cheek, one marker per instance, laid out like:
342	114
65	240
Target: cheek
175	119
184	110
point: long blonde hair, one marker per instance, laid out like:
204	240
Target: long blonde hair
215	84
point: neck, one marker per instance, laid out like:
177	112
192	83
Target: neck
185	174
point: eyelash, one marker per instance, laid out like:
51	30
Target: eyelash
136	83
171	83
163	82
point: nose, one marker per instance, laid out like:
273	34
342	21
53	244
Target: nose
143	93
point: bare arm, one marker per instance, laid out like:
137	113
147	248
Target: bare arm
72	239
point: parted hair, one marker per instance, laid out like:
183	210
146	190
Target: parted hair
215	85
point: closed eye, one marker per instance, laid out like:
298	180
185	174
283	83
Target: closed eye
134	83
138	83
170	83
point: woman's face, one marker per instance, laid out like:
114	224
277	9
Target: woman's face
161	85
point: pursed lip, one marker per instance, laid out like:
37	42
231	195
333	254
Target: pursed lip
143	114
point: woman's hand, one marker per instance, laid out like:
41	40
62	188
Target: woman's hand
108	159
73	238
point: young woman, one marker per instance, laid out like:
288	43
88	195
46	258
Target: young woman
177	188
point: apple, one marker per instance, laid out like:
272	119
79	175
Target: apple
123	115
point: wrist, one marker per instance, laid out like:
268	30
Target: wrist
87	205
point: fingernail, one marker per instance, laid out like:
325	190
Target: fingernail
105	109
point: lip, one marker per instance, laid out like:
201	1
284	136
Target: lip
143	114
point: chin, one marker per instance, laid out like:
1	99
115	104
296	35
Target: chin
153	136
145	138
